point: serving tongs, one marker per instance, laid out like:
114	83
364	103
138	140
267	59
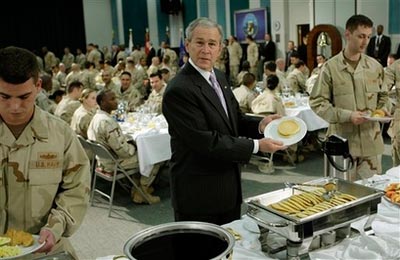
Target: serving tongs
329	187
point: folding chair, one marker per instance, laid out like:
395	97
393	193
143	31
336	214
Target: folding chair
119	173
89	152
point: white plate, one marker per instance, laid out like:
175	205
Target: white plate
379	119
388	200
271	131
27	250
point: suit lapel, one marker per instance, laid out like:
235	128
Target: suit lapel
210	94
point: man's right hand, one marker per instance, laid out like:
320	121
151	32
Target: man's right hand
358	117
268	145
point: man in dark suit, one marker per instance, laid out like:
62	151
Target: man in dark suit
161	51
267	53
150	55
205	123
379	46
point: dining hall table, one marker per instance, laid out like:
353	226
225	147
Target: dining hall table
150	133
299	107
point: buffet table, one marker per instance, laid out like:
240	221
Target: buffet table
381	242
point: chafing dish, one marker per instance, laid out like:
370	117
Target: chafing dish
296	230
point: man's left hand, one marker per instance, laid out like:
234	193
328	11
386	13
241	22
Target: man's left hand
266	120
48	237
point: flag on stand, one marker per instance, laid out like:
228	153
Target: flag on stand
182	50
167	41
130	41
113	38
147	41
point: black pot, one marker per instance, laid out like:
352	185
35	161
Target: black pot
181	240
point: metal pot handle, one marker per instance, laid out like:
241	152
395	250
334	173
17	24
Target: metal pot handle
271	224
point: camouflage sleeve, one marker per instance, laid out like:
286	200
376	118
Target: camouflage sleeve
117	141
73	198
83	124
321	99
383	95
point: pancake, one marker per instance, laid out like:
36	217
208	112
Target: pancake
288	128
290	104
378	113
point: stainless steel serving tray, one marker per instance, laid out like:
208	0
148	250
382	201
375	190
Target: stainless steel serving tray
298	228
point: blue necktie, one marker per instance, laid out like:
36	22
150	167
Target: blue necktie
218	90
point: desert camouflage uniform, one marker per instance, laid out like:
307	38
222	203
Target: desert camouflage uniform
137	77
338	92
235	55
43	101
392	77
131	96
105	130
154	102
268	103
44	178
66	108
81	119
297	81
244	97
112	86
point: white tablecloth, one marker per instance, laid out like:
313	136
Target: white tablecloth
152	148
152	139
384	244
312	120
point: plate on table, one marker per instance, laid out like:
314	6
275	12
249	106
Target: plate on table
391	202
288	130
392	191
27	250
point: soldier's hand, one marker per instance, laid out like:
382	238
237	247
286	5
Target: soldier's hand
357	117
268	145
48	237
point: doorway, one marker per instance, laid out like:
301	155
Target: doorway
302	32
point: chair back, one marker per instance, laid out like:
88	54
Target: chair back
101	151
84	142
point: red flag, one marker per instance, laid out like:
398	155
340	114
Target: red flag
147	41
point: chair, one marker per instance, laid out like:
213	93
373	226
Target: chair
89	152
119	173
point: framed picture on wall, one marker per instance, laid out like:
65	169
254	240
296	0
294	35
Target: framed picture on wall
250	22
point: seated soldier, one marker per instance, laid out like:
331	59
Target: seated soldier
154	101
296	79
245	94
269	102
104	129
70	102
128	93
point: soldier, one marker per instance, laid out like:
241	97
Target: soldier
235	56
296	79
392	77
66	108
83	115
45	175
351	84
128	93
245	93
154	102
105	130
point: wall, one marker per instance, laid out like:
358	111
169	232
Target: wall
141	14
98	31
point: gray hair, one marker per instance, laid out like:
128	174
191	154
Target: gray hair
202	22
